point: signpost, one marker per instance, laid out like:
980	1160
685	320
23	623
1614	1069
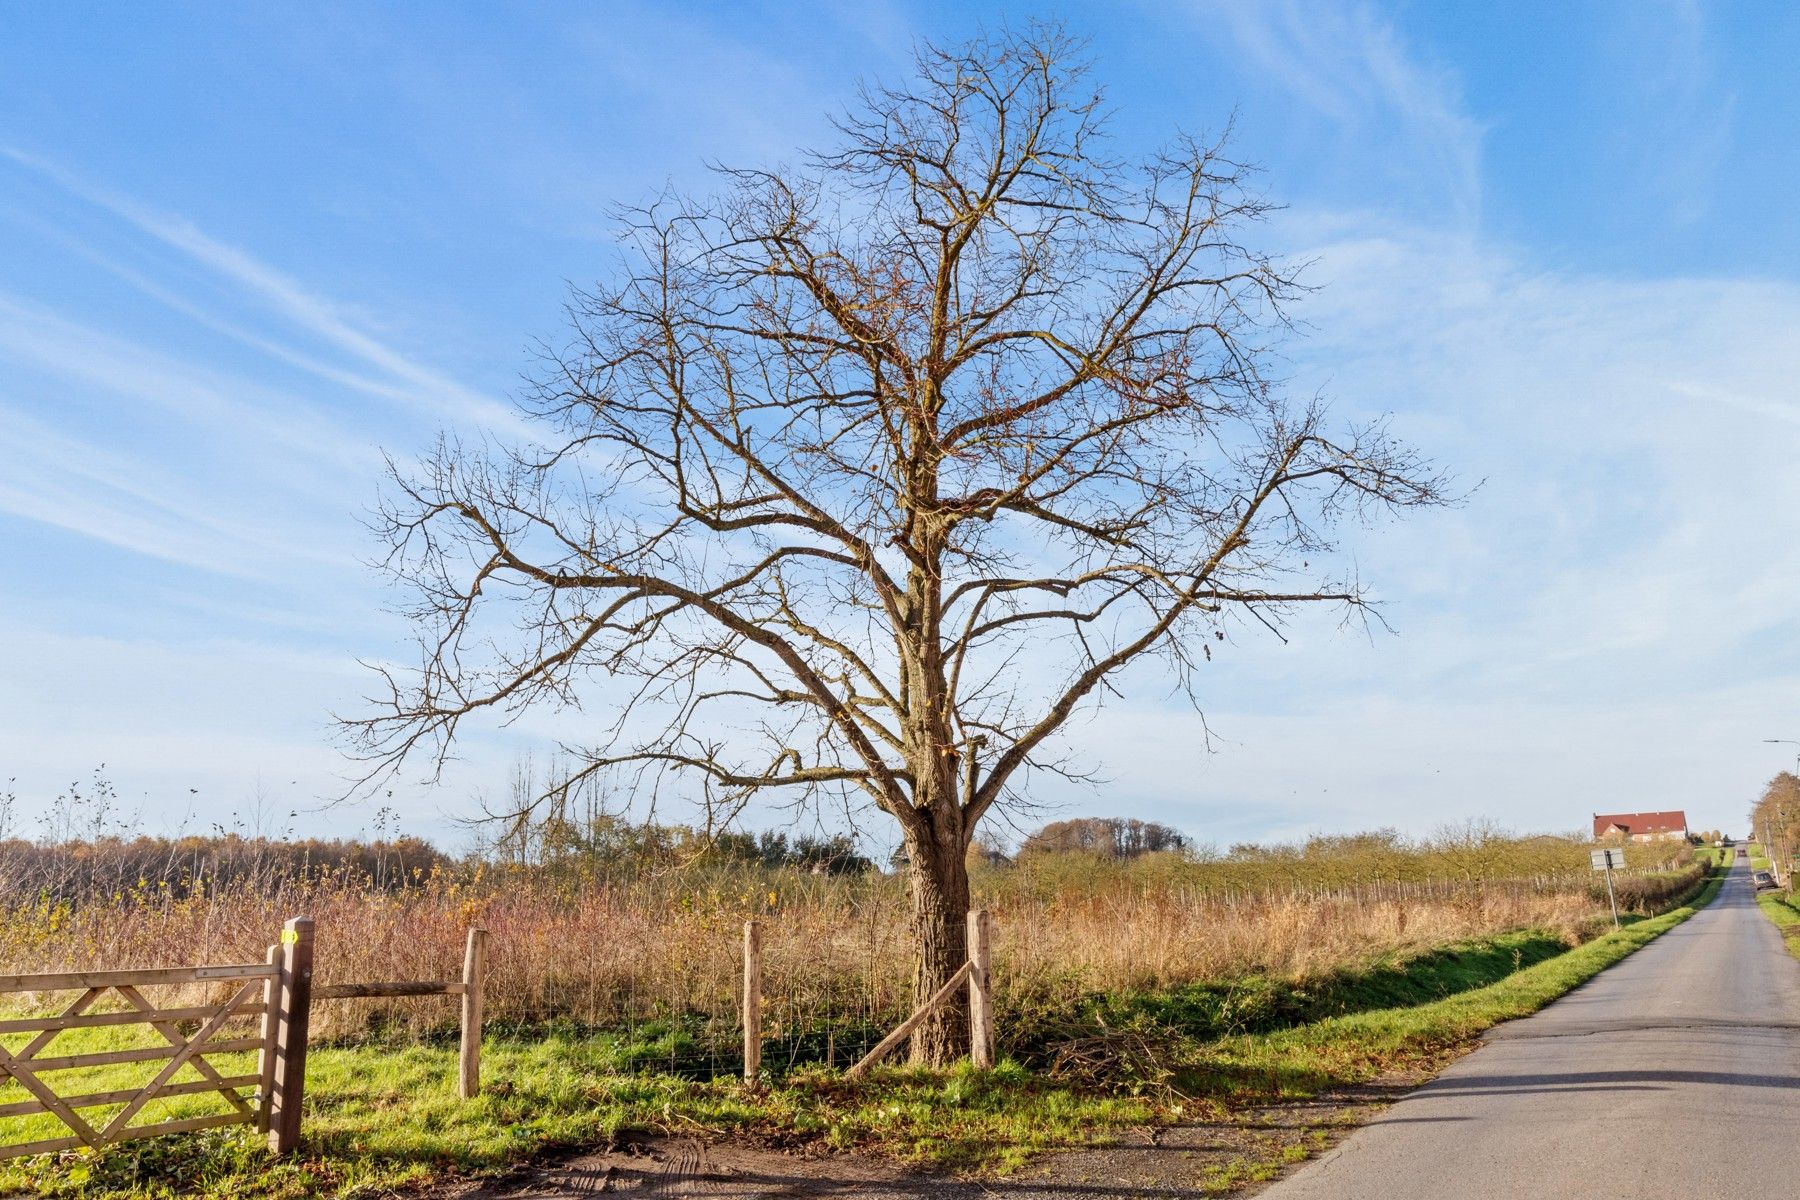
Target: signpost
1606	860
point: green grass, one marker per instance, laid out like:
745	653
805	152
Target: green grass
1259	1004
379	1119
1780	908
116	1077
382	1118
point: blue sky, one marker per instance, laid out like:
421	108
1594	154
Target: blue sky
246	249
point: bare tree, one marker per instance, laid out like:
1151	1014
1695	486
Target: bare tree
1775	822
869	475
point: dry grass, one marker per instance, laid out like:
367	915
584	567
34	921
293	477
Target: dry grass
1145	943
665	946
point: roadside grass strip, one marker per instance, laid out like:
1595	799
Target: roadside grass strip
1716	856
1361	1047
383	1118
1781	909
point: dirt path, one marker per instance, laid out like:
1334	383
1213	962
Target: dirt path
1176	1162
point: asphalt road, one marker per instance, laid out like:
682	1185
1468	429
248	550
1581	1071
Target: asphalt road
1675	1073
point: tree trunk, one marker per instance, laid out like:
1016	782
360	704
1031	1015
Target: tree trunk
940	909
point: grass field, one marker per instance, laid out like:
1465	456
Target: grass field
382	1114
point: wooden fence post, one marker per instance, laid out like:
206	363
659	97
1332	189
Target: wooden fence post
265	1060
981	991
752	1000
468	1079
293	1015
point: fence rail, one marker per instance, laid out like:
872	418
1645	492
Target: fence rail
387	991
67	981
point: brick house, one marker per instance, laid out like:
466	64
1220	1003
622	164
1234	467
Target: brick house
1640	827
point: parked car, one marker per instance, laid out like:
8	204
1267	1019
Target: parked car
1763	880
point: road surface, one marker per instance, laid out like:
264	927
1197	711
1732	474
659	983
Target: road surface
1675	1073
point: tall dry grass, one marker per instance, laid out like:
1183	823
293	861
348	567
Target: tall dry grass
663	946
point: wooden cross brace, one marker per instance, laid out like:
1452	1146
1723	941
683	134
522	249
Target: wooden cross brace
189	1050
15	1065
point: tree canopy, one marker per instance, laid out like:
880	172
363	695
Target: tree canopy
868	474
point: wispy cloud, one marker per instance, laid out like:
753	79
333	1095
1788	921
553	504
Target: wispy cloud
122	500
161	442
282	294
1674	74
100	364
1351	65
393	391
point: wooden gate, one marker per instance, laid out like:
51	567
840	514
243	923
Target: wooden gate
250	993
279	992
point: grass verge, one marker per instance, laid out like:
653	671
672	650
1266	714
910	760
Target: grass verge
383	1119
1780	908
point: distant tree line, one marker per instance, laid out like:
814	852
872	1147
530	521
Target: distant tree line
1108	837
195	865
821	855
604	843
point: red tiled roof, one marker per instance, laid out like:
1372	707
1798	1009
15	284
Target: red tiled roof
1635	823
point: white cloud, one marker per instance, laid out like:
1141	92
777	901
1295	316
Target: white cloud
1671	75
396	392
100	364
155	454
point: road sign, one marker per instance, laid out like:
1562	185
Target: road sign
1609	861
